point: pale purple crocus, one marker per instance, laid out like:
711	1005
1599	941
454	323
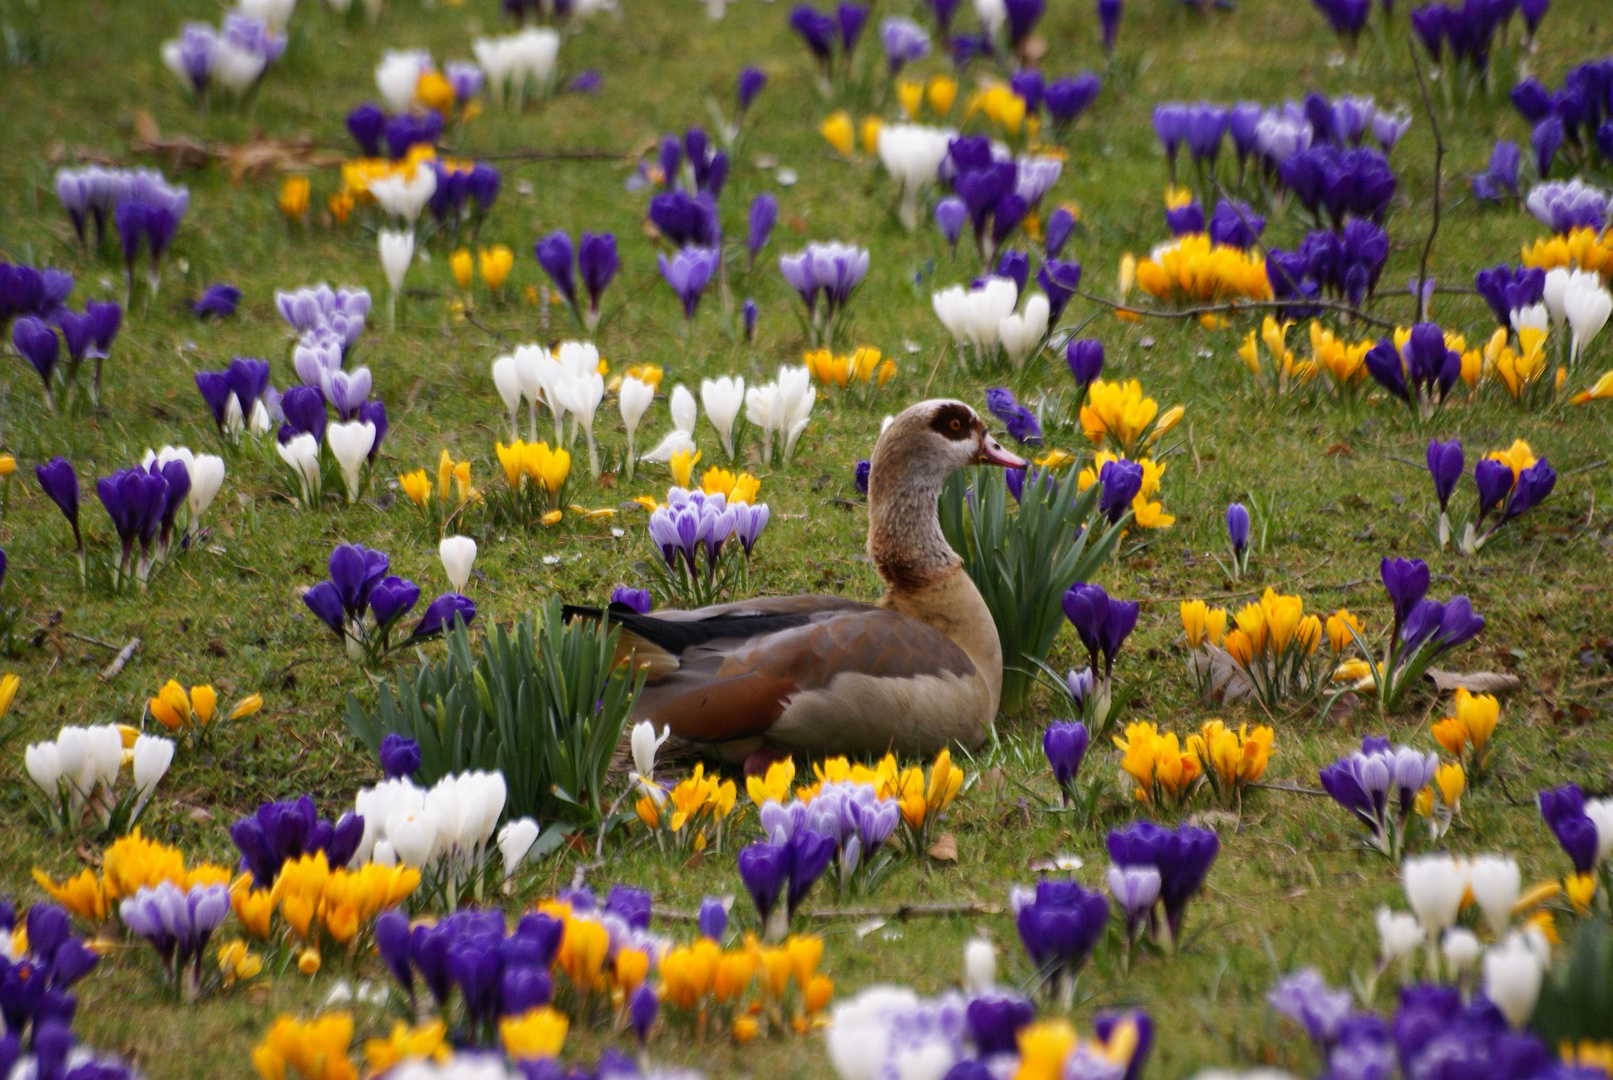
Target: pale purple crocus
688	273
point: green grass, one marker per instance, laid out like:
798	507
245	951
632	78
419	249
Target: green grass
1342	486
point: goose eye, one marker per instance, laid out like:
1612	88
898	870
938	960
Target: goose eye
956	424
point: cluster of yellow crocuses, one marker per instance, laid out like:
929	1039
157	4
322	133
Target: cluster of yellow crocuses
1193	270
1582	249
691	815
1117	414
533	471
495	264
1466	735
938	93
312	897
863	367
1167	768
452	490
1343	362
713	985
130	863
1274	645
195	711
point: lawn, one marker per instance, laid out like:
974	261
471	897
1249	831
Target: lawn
1336	485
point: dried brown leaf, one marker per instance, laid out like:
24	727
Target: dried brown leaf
945	848
1474	682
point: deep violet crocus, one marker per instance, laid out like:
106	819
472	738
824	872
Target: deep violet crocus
218	302
1020	421
1066	99
1121	481
1109	19
1563	809
750	313
399	756
60	484
598	262
763	216
750	83
556	254
1183	858
1060	925
36	341
1065	745
1085	358
280	831
1445	466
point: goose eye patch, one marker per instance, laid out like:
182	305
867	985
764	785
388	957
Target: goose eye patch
955	421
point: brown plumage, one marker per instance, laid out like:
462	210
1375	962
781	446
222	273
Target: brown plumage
817	675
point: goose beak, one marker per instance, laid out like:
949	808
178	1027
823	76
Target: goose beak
992	453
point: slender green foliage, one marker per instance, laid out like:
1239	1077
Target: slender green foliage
545	705
1024	562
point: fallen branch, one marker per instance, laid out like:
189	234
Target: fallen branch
1439	162
500	338
902	911
1237	306
110	672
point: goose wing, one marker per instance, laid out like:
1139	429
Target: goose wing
728	672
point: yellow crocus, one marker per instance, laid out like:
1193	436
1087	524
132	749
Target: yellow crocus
1451	781
82	894
403	1043
869	130
910	94
340	206
688	973
434	91
495	264
817	995
1580	890
203	704
735	972
837	132
171	706
253	907
417	486
941	92
8	692
582	952
1478	714
1043	1046
461	266
682	466
293	197
1518	457
8	465
1602	389
735	487
537	1033
630	968
1339	627
317	1049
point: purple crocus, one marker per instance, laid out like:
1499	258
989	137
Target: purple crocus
1494	480
816	29
763	216
1067	98
750	312
36	341
1061	924
367	125
1085	359
764	869
713	919
904	41
1060	226
641	1010
1135	889
859	476
1183	859
400	756
1109	19
442	614
1406	581
751	82
1563	809
1020	421
1065	744
598	262
556	254
995	1020
1059	279
688	273
1102	622
851	19
60	484
638	600
1445	466
1546	139
950	214
1304	998
219	302
1238	528
1121	481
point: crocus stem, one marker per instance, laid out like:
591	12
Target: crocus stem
392	312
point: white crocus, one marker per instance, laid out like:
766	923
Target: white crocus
397	252
514	841
582	395
1462	950
1398	936
104	744
993	14
1434	887
413	837
397	76
301	454
376	805
952	308
507	381
1534	317
1021	334
761	410
237	69
276	14
912	154
350	444
72	754
633	399
405	197
516	60
677	441
988	306
979	966
44	766
1587	306
206	477
153	754
683	409
645	743
1600	811
1496	883
797	395
1512	975
528	359
458	555
723	398
259	423
1556	288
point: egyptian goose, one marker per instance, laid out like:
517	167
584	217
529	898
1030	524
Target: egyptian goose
823	675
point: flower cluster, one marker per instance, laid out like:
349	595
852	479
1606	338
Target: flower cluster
40	961
78	772
360	586
690	533
1510	483
1118	414
233	58
825	276
597	263
865	369
193	713
1345	265
1180	860
1164	770
987	316
1194	269
37	300
692	812
128	864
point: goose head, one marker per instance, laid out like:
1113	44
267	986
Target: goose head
915	454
